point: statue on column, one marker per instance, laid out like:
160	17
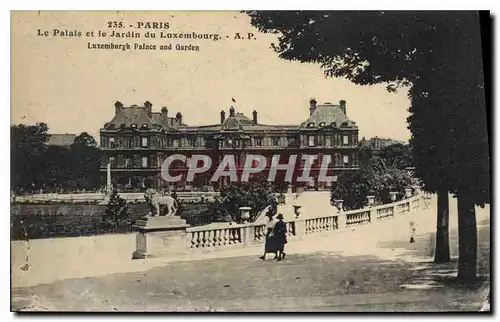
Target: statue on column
160	205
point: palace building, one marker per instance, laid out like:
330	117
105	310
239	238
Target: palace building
137	141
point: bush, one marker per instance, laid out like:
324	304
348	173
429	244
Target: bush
117	212
256	195
375	179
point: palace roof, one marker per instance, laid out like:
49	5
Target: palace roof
325	115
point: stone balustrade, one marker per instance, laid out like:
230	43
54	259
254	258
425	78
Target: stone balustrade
224	235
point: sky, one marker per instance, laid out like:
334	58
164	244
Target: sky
58	80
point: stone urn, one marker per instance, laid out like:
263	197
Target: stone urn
296	210
408	192
371	200
245	213
393	195
339	203
417	189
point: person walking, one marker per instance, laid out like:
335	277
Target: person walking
270	245
280	237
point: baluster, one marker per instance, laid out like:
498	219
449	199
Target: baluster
205	238
236	235
211	239
226	237
216	238
229	236
328	223
198	239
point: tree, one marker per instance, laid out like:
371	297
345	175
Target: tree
257	195
116	212
85	162
437	55
28	145
397	155
375	178
85	139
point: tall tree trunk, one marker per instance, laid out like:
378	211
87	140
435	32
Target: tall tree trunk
442	252
467	239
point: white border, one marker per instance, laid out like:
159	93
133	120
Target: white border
185	5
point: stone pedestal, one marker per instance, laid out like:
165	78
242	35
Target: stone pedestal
245	213
160	236
371	200
342	221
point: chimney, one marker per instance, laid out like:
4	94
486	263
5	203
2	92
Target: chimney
222	116
149	107
164	111
118	106
231	112
342	106
254	117
178	117
312	106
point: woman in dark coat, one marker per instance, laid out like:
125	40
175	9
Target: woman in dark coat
280	237
270	245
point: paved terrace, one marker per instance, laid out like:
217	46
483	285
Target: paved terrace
368	268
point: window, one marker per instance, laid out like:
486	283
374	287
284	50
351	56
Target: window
355	139
322	124
291	141
192	142
345	159
176	143
144	126
112	161
355	159
311	140
345	140
127	163
337	159
144	162
134	126
144	142
333	124
276	141
321	140
310	124
258	142
112	143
